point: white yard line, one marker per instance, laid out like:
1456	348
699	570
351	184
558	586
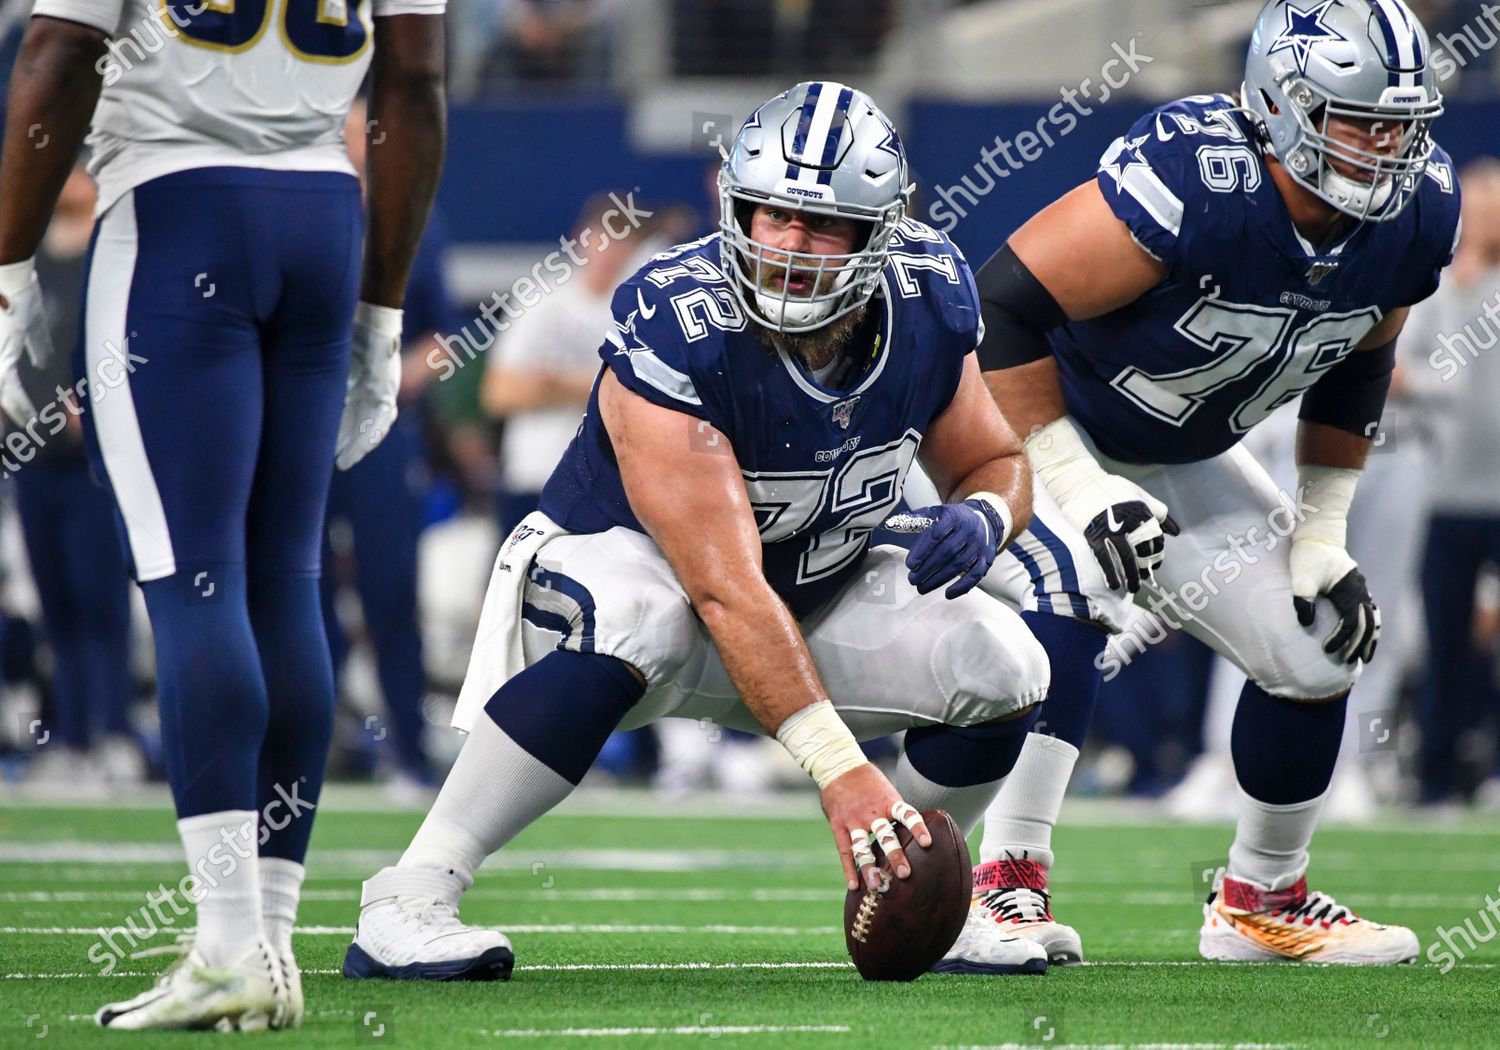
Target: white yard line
348	931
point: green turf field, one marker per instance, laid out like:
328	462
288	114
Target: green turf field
639	922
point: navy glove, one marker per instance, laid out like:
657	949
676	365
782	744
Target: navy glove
958	543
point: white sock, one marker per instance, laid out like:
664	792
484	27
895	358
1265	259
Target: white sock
1270	842
221	856
280	892
495	789
1023	816
964	804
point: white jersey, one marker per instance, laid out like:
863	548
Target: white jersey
212	83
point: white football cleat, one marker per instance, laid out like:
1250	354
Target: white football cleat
984	946
248	995
1245	922
409	931
291	977
1015	894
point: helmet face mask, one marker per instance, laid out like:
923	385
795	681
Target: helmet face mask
821	149
1327	111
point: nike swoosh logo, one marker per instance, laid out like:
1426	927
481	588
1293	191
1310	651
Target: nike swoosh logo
1161	131
1114	523
646	312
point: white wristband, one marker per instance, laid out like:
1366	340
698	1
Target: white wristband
15	277
1061	459
1324	497
382	320
1007	519
820	742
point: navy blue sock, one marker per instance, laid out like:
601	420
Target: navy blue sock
1072	647
562	708
211	689
288	622
966	756
1284	750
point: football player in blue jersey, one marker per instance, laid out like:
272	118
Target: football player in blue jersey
1232	254
703	548
231	350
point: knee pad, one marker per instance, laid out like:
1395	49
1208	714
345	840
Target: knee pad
989	669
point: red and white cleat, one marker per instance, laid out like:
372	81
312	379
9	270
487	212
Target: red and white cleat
1014	893
1243	921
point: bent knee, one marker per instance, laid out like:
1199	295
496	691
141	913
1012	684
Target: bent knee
989	668
1309	677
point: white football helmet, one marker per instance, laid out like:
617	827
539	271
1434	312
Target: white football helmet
1313	62
820	147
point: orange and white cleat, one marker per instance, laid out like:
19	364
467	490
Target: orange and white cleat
1245	922
1014	894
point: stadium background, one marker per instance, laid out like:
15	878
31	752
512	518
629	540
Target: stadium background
554	102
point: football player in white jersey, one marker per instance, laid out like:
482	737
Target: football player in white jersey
241	331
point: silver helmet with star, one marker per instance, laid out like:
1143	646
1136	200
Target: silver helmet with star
1316	64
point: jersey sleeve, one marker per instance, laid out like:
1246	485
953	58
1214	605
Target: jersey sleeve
648	353
103	15
1142	177
928	264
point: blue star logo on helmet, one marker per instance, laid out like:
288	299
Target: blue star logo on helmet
1304	30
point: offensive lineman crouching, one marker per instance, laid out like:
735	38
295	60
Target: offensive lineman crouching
702	550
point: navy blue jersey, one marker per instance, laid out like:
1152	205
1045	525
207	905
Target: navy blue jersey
1250	314
822	466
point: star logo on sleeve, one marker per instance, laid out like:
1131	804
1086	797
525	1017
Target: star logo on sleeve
1128	156
1304	30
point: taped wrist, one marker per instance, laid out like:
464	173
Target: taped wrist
1018	312
1061	459
385	321
1351	394
821	744
14	277
1324	495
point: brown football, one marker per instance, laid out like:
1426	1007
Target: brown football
898	934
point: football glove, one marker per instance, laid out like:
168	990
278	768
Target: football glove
958	542
374	381
1322	567
23	327
1124	525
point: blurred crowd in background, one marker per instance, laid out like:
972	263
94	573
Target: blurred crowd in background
414	528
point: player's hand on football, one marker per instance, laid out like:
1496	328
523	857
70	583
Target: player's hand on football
23	328
1125	527
862	809
958	543
374	382
1322	570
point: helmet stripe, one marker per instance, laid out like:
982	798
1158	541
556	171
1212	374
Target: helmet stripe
804	124
835	134
1402	46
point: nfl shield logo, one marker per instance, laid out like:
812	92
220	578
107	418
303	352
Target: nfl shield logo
1319	271
843	412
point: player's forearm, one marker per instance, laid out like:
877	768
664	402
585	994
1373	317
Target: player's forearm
1008	477
53	91
1321	445
762	647
407	134
1030	395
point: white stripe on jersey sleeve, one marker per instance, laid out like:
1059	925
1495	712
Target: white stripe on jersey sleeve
385	8
103	15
